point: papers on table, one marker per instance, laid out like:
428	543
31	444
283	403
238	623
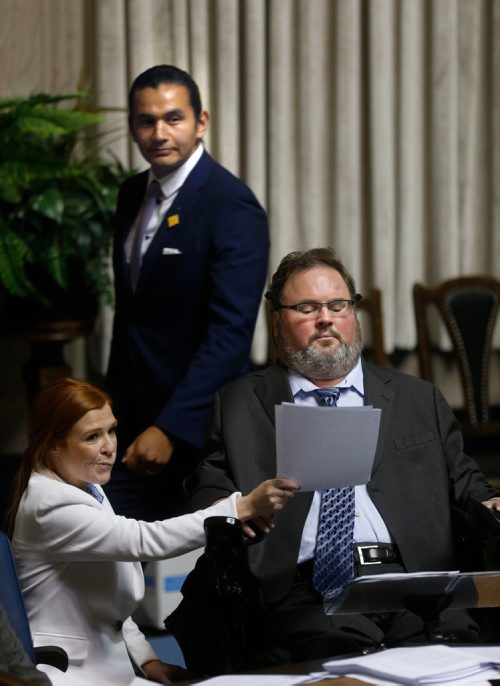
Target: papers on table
419	666
82	676
416	666
324	447
258	680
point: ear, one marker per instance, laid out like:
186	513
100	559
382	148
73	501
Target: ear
202	125
54	450
131	128
51	456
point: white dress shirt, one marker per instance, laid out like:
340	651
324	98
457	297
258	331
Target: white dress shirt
368	524
170	186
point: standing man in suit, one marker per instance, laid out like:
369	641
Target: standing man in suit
401	520
190	262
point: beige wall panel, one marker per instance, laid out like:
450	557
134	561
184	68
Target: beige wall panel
41	46
41	50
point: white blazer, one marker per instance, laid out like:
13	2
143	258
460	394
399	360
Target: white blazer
79	569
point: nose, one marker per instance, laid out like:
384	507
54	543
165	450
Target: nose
109	444
161	130
324	315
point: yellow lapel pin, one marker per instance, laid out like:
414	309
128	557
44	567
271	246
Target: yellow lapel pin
173	220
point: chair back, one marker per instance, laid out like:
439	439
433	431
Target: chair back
371	304
468	306
11	597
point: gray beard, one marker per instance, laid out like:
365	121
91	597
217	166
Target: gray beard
321	364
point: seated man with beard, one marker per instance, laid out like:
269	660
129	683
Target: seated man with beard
399	522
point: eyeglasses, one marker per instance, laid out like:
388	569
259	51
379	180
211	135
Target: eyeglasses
337	308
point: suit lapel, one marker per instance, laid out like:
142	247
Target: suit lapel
380	394
177	216
132	200
190	190
272	388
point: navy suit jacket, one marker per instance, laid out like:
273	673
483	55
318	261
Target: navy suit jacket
188	327
419	470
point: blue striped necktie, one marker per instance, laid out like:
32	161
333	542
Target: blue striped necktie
333	557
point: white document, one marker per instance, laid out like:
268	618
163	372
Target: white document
416	666
80	676
258	680
326	447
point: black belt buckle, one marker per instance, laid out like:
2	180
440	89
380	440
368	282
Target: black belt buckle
362	561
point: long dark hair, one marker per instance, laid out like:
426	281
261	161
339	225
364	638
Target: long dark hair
57	407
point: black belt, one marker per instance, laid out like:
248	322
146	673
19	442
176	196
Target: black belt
376	554
364	554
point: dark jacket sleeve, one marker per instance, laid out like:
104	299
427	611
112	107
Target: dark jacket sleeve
212	479
13	657
237	274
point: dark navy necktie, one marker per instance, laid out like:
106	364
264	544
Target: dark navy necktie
94	491
333	556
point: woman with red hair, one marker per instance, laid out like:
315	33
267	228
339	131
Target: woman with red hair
79	563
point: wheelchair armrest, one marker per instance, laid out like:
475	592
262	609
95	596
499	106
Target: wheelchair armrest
52	655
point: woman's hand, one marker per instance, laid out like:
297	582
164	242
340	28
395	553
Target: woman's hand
163	673
269	497
492	504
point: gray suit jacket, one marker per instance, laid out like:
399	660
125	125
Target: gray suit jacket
419	470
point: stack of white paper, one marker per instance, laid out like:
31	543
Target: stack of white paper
419	666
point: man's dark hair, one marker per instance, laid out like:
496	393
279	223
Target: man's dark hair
166	73
303	261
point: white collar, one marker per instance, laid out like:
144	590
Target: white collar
171	182
354	378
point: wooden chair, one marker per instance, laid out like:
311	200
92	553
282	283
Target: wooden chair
468	307
371	305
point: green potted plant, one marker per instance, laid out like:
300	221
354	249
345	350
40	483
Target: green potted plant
57	201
